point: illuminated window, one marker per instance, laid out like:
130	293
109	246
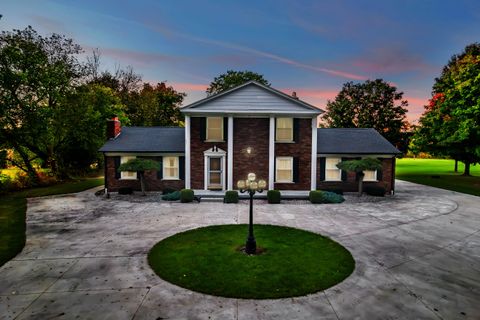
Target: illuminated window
332	173
284	130
214	129
370	175
127	175
284	168
170	168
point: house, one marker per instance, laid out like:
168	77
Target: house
250	128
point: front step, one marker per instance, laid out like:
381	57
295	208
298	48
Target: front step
211	199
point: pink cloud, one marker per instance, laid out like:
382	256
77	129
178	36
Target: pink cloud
185	86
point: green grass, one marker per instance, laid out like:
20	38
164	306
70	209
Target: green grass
208	260
13	209
439	173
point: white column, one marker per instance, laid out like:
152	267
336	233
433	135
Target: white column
313	177
230	154
187	152
271	155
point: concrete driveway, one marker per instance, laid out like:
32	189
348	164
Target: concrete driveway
417	255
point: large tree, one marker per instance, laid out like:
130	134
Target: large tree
232	79
450	125
36	73
371	104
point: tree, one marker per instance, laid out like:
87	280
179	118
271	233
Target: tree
140	165
450	125
155	106
35	75
371	104
232	79
358	166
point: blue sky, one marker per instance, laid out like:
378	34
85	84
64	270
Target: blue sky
311	47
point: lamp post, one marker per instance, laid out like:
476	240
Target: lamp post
251	186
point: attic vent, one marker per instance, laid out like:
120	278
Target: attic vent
294	95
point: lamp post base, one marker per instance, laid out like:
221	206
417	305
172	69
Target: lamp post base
251	246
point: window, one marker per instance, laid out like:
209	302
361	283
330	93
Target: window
170	168
332	173
127	175
215	129
370	175
284	168
284	130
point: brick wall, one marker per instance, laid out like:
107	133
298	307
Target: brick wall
152	183
351	185
302	149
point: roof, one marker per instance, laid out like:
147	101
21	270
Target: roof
353	141
252	98
147	139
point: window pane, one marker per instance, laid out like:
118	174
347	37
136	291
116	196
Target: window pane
284	175
284	169
170	167
215	128
284	130
214	177
332	174
214	163
370	175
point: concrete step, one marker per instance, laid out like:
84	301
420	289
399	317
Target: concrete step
211	199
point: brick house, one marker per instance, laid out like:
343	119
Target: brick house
250	128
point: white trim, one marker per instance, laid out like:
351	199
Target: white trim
291	169
213	152
339	170
271	155
176	166
313	161
230	154
187	153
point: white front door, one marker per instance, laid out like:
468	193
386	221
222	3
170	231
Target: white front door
215	173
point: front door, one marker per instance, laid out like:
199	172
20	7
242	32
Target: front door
215	173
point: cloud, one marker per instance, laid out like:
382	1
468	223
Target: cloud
186	86
228	45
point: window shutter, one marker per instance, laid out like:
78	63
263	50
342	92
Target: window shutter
225	128
181	168
116	165
344	172
322	168
203	128
380	173
160	168
295	169
296	126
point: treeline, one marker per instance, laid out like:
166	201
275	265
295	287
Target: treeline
54	106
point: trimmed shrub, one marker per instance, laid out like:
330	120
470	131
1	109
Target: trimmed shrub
231	196
168	190
125	190
173	196
376	191
186	195
274	196
334	190
5	183
318	196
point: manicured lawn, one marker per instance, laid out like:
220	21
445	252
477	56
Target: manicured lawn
295	262
13	208
439	173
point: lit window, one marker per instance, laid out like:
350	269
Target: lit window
332	173
284	168
370	175
284	130
170	168
215	129
127	175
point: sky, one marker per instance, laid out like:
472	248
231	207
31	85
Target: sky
310	47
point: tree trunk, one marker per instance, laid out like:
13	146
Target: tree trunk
32	174
467	168
456	165
360	184
142	183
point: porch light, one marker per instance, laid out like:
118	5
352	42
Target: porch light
251	186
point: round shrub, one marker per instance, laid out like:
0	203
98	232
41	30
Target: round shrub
186	195
231	196
125	190
376	191
274	196
173	196
318	196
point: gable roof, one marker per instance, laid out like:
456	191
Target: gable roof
147	139
353	141
252	98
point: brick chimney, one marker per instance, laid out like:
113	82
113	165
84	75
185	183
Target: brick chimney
113	127
294	95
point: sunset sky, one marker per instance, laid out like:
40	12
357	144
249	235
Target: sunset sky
311	47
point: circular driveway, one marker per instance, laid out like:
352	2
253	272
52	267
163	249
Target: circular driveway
417	257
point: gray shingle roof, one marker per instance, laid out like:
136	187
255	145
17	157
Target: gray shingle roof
352	141
147	139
